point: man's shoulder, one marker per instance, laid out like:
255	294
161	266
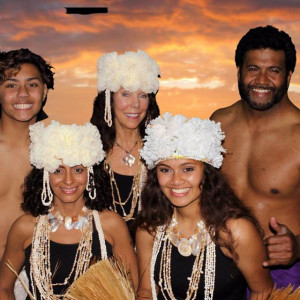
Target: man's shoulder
226	114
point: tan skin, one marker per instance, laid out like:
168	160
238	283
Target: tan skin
180	181
21	97
68	184
130	109
262	163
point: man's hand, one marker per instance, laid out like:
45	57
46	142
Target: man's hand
282	247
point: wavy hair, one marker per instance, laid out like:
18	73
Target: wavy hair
263	38
108	134
218	204
33	186
12	60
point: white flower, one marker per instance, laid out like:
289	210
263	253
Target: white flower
132	71
69	144
175	136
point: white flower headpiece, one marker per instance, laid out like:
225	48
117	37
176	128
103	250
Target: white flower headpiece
132	71
176	137
69	144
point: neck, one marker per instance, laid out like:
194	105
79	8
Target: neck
127	137
14	131
188	216
69	209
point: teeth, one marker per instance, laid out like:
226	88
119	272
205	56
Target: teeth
22	106
68	190
132	115
261	91
180	191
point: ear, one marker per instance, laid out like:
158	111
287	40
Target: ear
289	76
238	73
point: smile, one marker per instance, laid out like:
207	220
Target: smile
22	106
180	191
132	115
68	191
262	91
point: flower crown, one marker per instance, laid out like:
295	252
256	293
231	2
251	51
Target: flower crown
69	144
132	71
177	137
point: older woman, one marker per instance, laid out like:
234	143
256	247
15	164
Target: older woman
67	226
126	103
195	240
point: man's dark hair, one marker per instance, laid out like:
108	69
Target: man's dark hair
12	60
263	38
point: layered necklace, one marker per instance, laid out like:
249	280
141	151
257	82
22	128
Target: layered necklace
40	271
196	245
135	192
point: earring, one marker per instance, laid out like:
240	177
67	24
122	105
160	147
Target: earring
90	187
107	111
46	192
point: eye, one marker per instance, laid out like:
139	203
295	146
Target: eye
252	69
10	85
189	169
33	85
144	96
78	170
125	94
58	171
275	70
164	170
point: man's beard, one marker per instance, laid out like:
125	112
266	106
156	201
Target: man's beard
278	94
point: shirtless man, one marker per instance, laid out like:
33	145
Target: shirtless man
24	82
262	163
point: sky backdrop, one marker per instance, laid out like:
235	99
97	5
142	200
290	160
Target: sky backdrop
193	41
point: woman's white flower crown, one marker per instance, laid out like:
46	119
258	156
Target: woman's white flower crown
132	71
176	136
69	144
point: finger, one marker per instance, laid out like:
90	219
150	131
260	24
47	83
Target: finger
277	227
276	262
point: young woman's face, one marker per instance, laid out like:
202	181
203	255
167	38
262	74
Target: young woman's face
68	183
180	180
130	108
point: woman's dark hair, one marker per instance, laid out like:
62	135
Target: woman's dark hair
108	134
218	204
33	186
263	38
12	60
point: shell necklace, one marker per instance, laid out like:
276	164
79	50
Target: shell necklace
187	246
128	159
77	222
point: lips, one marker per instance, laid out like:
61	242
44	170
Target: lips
69	190
22	106
132	115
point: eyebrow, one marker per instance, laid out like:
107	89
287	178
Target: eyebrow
27	79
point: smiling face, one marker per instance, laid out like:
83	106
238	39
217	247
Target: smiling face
180	180
263	80
68	184
130	108
22	93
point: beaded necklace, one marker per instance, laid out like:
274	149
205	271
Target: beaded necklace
40	272
134	194
162	240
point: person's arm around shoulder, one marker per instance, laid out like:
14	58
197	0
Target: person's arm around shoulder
116	232
144	246
20	236
251	253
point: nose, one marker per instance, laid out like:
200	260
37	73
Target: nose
135	101
23	91
176	178
68	179
262	78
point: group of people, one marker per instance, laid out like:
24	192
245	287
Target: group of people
194	209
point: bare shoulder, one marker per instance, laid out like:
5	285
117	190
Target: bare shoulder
226	114
24	224
110	219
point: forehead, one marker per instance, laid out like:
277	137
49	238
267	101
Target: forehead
24	70
173	162
265	56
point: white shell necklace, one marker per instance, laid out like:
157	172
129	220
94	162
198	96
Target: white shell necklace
187	246
78	222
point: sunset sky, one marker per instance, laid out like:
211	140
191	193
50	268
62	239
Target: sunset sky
193	41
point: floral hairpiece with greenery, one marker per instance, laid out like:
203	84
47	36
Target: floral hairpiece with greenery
176	136
69	144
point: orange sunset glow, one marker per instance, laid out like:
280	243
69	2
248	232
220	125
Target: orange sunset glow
193	41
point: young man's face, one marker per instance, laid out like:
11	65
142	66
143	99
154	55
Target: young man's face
263	79
22	93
